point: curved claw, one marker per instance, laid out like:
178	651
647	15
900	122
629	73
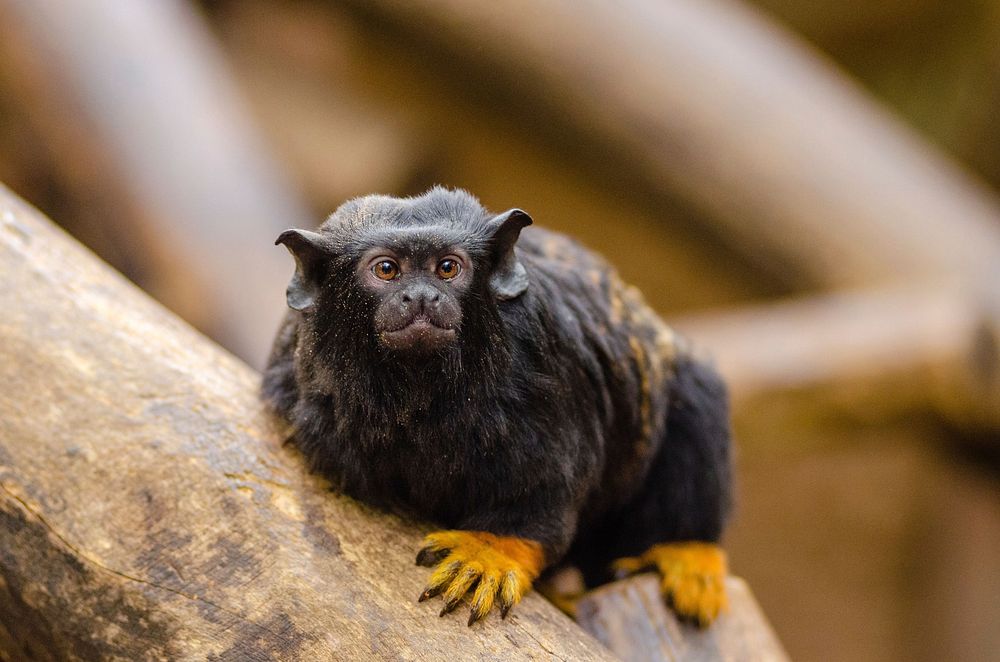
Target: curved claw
449	606
511	591
460	585
504	609
483	598
429	593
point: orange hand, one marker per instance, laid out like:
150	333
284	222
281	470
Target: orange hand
491	566
692	577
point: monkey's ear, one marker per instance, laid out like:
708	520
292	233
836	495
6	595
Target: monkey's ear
308	249
509	279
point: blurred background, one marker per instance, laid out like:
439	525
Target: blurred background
804	188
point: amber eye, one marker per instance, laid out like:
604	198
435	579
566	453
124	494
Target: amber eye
448	268
385	269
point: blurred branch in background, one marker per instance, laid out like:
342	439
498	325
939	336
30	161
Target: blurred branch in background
938	63
917	346
149	85
716	106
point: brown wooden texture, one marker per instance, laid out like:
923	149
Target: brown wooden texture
708	102
149	511
631	619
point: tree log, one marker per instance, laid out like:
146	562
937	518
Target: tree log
148	509
629	617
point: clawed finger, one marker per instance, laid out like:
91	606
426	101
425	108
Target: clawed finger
459	587
511	591
484	596
440	579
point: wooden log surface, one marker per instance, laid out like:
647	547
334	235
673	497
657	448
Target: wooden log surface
709	102
630	618
149	511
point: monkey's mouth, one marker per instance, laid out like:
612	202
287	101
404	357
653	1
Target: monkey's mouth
420	333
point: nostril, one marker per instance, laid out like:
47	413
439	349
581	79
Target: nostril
434	297
407	298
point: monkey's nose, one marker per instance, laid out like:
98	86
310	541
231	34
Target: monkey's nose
423	295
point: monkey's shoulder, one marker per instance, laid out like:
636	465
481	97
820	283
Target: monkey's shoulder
557	250
580	289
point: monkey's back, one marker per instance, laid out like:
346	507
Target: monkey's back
626	352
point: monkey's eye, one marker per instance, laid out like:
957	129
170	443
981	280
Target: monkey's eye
385	269
448	268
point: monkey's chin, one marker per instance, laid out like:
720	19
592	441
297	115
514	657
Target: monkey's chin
419	337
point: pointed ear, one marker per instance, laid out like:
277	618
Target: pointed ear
509	279
308	249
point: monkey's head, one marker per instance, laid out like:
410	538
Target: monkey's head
404	275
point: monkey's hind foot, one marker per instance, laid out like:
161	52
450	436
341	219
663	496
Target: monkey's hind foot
692	577
492	568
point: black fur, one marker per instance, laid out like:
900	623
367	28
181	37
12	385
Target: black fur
567	414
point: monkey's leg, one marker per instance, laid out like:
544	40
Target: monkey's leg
494	568
675	522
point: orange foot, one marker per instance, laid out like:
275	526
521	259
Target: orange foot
492	567
692	577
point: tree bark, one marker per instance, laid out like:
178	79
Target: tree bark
630	618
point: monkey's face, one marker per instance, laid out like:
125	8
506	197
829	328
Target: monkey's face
417	288
406	274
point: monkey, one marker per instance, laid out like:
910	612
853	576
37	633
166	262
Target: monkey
455	366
